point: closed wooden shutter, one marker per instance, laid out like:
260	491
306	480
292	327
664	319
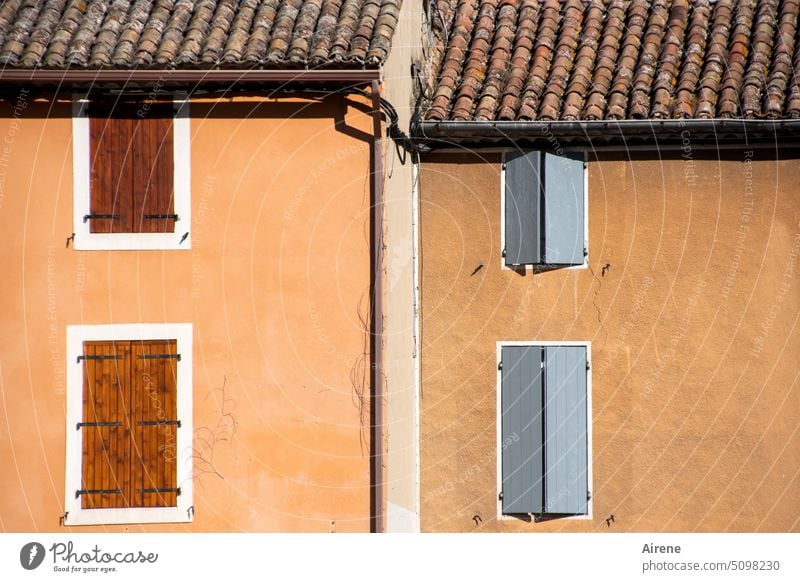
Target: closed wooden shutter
153	197
154	405
132	168
129	426
110	138
104	474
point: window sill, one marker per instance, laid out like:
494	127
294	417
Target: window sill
131	241
128	516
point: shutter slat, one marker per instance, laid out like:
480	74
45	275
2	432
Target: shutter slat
156	422
102	427
566	454
153	194
125	436
101	200
522	204
87	437
564	209
521	430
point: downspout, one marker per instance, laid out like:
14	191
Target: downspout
376	318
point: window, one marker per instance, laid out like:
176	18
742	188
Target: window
544	207
131	168
128	424
544	429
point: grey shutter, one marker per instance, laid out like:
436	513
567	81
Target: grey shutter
523	203
565	449
564	209
521	405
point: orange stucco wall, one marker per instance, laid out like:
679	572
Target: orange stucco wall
276	287
691	305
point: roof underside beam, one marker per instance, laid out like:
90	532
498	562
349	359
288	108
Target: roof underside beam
86	78
556	134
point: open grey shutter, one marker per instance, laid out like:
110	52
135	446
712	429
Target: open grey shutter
564	209
565	449
521	404
523	201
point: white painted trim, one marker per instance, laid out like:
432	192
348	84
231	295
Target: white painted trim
543	267
589	422
76	335
81	171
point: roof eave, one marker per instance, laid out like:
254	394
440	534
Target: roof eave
551	134
87	78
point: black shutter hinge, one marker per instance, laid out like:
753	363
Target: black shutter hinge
500	365
175	490
500	496
97	424
163	216
159	357
159	423
87	217
504	253
100	357
80	492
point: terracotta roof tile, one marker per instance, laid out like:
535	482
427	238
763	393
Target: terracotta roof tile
195	33
615	59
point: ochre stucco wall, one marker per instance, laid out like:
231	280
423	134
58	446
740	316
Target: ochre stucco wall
275	285
694	329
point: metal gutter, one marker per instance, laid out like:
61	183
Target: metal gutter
72	77
377	518
441	133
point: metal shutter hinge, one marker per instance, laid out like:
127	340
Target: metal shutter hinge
500	366
500	496
87	217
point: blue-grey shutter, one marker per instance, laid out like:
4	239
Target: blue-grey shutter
521	405
523	203
565	449
564	209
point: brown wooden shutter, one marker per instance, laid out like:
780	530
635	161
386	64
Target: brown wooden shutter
105	449
132	167
154	366
153	198
110	135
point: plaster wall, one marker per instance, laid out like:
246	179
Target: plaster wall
276	286
691	302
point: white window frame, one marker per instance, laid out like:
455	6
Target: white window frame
543	267
499	418
76	335
81	170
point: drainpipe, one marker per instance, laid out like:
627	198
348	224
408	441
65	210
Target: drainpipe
376	318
